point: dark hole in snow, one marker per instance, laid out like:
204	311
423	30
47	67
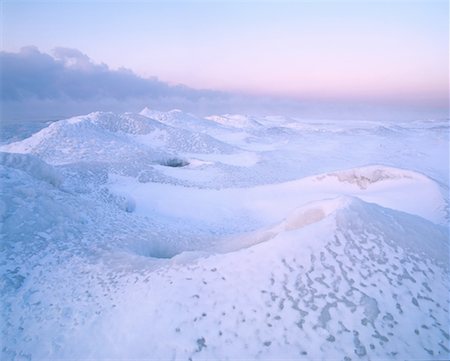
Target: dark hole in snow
174	162
155	249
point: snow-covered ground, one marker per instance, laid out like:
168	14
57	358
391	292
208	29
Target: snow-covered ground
163	235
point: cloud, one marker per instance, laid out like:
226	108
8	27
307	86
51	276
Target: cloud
71	75
36	85
75	59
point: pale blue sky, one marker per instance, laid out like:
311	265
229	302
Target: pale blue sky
376	50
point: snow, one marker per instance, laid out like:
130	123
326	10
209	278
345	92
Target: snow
32	165
165	235
235	120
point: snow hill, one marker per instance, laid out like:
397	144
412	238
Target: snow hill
235	120
178	118
163	235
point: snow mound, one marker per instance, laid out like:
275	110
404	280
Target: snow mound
184	141
389	187
411	233
115	138
127	123
94	137
303	216
178	118
235	120
31	165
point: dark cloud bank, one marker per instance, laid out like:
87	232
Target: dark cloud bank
36	85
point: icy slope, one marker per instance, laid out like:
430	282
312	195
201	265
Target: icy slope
168	236
336	278
321	290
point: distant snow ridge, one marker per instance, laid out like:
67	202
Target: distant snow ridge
235	120
95	137
177	118
109	137
263	128
126	123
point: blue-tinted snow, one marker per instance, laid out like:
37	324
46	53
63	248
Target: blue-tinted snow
162	235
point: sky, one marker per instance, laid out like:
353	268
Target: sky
377	53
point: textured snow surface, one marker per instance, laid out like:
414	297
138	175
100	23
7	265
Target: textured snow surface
162	235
